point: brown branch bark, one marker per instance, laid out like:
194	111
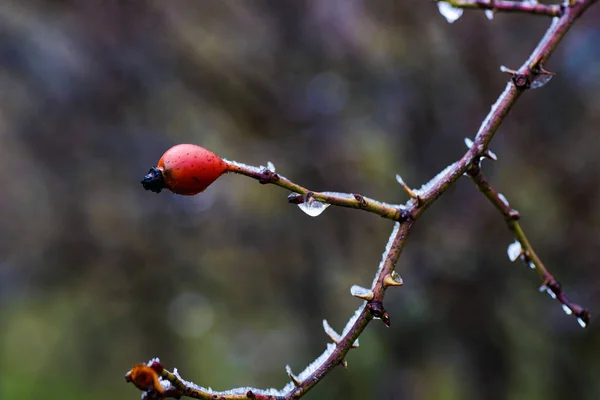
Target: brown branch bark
524	249
405	216
553	10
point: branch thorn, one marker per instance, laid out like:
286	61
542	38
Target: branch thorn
361	292
490	155
294	379
408	190
333	335
509	71
468	143
543	71
393	279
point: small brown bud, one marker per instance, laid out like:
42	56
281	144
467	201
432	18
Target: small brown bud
144	378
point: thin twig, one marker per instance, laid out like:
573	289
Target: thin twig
554	10
405	217
524	249
266	176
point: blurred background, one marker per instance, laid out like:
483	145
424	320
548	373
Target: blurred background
229	286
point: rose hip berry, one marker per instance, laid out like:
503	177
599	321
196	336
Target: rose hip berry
185	169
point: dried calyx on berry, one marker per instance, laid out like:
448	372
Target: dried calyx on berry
154	180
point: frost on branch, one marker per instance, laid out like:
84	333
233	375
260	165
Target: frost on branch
388	246
336	337
351	322
245	166
486	154
408	190
423	190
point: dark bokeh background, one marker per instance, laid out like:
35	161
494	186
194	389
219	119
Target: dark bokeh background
231	285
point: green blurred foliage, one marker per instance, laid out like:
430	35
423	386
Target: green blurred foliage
231	285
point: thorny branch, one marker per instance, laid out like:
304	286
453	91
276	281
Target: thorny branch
531	7
159	383
265	176
523	249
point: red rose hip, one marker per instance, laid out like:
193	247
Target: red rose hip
185	169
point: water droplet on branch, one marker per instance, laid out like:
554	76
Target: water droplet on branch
397	278
541	80
313	207
449	12
503	199
514	250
